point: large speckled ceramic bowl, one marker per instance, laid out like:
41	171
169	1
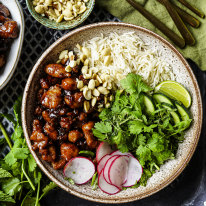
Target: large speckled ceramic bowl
171	169
64	24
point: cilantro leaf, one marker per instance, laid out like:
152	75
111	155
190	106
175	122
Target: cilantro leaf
143	154
32	163
11	186
133	84
20	153
152	138
9	117
136	127
99	135
48	188
10	159
103	127
4	173
17	110
5	197
30	201
156	143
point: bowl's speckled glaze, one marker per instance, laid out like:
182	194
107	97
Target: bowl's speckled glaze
64	24
171	169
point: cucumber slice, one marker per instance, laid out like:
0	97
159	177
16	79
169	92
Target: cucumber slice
160	98
174	114
184	113
149	106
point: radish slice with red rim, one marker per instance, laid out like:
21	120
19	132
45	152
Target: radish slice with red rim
102	163
117	152
107	166
118	171
134	172
103	149
106	187
80	170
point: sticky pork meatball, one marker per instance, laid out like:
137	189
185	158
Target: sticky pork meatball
40	140
88	134
68	151
56	70
52	98
74	135
69	84
74	101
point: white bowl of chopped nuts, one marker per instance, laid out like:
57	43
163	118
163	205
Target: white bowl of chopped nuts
63	14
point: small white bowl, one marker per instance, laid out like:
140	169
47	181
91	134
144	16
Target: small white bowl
14	53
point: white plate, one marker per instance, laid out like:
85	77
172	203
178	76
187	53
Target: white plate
16	46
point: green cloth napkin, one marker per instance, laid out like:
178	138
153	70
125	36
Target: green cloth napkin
122	10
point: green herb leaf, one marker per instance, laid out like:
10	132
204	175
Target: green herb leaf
5	197
9	117
4	173
30	201
32	163
17	110
10	159
133	84
103	127
48	188
20	153
11	186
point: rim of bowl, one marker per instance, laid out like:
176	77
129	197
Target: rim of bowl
44	20
125	199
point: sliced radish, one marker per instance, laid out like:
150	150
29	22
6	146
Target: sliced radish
107	166
134	173
117	152
106	187
103	149
118	171
102	162
79	169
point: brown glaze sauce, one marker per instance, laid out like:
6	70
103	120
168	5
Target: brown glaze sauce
61	127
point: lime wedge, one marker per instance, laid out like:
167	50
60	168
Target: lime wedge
176	91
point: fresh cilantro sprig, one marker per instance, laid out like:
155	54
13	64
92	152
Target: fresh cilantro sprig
153	138
21	181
